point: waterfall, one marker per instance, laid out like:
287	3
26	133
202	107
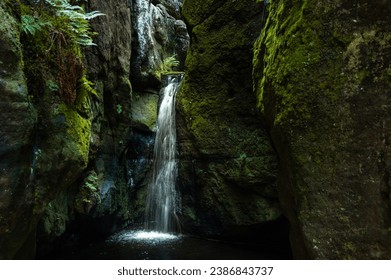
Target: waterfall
162	199
144	26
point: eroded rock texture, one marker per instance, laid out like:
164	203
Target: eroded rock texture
322	77
46	140
98	203
227	165
18	118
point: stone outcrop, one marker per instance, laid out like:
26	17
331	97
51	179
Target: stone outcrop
63	165
46	140
18	118
227	167
322	77
98	203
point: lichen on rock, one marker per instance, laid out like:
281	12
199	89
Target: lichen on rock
320	78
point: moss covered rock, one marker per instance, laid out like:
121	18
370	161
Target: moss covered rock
77	124
18	118
98	202
227	165
50	162
144	110
321	74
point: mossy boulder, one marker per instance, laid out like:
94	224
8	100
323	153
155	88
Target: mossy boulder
60	157
321	74
227	167
144	110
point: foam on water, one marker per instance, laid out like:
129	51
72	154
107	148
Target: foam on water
142	236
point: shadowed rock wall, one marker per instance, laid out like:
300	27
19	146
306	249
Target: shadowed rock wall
227	168
18	118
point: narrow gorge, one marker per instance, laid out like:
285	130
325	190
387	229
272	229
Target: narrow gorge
142	129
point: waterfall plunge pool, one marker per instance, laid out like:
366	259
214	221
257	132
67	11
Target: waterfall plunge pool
152	245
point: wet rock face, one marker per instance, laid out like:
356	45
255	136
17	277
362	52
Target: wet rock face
227	168
159	33
109	65
109	62
18	118
173	7
97	203
322	76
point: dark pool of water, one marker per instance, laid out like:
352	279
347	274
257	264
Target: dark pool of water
139	245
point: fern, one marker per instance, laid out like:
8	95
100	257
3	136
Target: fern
166	66
30	24
169	63
77	20
52	85
64	28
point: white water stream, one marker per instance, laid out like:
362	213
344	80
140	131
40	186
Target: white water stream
162	200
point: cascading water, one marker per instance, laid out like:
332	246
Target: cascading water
158	33
144	25
162	199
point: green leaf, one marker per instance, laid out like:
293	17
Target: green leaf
77	21
30	24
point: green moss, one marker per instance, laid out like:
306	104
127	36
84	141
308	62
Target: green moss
144	109
78	132
294	58
219	66
197	10
314	71
85	92
349	248
291	57
52	53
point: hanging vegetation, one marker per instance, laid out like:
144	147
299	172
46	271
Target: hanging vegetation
55	31
166	66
